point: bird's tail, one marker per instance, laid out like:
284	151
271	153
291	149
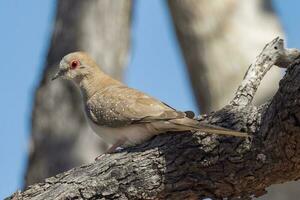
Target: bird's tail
191	124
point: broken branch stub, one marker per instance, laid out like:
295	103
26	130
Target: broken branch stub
273	53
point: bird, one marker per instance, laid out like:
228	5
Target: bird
123	116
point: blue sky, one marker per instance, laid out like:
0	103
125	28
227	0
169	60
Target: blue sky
25	33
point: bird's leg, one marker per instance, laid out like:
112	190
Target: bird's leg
112	149
115	146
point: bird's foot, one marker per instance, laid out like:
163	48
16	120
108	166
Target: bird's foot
113	149
109	151
99	157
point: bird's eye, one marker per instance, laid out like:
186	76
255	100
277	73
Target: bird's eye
74	64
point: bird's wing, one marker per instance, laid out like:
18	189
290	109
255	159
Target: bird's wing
127	106
141	108
145	109
124	106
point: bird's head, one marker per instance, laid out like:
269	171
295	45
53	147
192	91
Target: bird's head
75	66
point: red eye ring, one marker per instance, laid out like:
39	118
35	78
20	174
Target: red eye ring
74	64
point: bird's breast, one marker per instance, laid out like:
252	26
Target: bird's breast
109	135
133	134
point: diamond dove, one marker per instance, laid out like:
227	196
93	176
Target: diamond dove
123	116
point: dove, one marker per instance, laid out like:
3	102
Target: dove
123	116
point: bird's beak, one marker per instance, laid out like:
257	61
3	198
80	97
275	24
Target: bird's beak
57	75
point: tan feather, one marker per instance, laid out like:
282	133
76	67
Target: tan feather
119	113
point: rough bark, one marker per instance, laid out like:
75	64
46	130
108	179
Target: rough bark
60	136
197	165
218	40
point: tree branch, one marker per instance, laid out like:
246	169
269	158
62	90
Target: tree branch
274	53
198	165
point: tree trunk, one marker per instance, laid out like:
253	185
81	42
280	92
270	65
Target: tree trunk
60	136
219	39
198	165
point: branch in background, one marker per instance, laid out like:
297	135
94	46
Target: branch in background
195	166
219	39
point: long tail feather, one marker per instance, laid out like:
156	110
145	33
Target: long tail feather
195	125
221	131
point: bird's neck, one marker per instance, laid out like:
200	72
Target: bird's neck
95	82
